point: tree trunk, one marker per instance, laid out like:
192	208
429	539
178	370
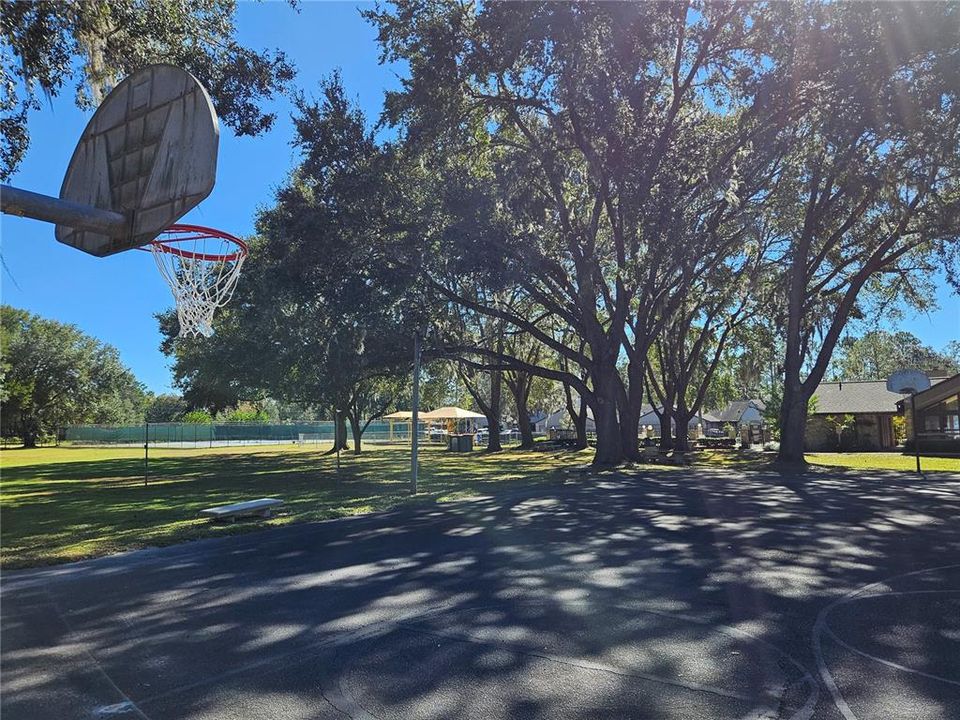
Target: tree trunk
580	425
339	434
519	385
609	439
631	409
340	442
793	425
682	417
629	417
356	431
666	422
682	441
493	412
526	427
29	431
578	417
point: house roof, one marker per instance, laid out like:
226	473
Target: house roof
858	396
646	409
735	410
560	415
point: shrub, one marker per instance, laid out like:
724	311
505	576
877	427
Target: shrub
200	417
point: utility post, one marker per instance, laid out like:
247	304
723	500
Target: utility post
414	444
910	381
916	430
336	440
146	452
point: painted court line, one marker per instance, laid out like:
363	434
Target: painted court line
341	699
127	705
820	628
107	711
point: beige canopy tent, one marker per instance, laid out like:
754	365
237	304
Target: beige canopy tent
450	413
457	419
405	418
453	416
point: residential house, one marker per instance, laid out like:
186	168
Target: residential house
561	419
735	414
872	406
650	422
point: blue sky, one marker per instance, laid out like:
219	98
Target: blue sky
115	298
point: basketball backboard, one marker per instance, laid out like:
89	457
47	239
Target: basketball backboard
149	152
908	381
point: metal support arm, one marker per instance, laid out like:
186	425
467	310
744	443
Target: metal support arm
14	201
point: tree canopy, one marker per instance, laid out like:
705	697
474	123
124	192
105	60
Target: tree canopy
870	191
879	353
55	375
53	44
593	159
321	317
623	198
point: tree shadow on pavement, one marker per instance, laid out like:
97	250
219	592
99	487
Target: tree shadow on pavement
668	594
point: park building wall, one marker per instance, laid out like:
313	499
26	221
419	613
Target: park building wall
938	417
870	431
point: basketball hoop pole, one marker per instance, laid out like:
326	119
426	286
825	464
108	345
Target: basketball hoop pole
916	431
14	201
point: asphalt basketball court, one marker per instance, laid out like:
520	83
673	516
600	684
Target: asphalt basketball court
701	594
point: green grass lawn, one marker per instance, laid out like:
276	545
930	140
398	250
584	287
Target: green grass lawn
884	461
64	504
737	460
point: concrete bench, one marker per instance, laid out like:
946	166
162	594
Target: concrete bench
262	507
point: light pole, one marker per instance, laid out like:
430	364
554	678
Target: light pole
416	409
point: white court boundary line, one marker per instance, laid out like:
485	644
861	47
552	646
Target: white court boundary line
820	627
343	699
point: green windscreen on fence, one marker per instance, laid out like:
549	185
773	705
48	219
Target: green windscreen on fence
197	434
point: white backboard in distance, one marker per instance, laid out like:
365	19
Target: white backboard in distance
908	381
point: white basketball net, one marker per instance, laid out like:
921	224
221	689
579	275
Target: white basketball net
201	266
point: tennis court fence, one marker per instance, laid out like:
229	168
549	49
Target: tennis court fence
188	435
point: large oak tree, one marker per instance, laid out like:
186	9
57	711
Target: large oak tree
585	127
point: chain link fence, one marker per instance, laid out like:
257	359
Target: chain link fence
196	435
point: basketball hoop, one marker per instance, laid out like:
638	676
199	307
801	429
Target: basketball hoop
201	266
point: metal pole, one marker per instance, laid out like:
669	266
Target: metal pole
14	201
336	439
916	431
416	409
146	452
